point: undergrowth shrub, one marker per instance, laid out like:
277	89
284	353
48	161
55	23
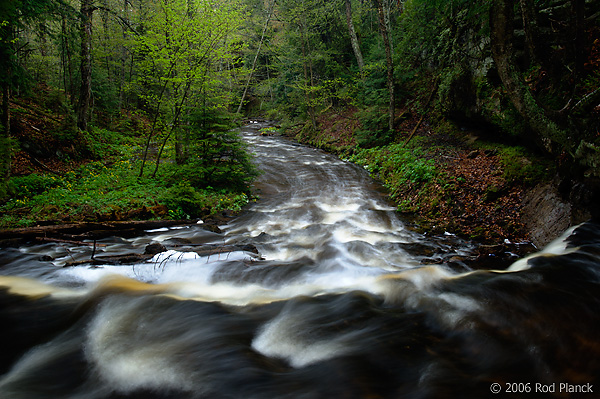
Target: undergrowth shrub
102	143
183	200
33	184
374	128
215	155
396	166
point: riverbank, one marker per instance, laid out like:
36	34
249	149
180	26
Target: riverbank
116	171
98	192
449	178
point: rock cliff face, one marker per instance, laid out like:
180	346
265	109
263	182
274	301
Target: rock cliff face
550	208
546	214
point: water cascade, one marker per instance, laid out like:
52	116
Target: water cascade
341	301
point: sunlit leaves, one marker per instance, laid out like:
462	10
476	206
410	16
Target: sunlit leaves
183	46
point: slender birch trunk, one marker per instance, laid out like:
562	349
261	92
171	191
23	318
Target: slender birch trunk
354	38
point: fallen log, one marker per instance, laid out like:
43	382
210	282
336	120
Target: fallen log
112	260
87	230
152	249
58	240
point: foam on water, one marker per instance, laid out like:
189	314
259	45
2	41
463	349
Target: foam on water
126	367
35	288
285	337
556	247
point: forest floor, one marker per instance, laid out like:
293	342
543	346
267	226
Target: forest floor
480	185
63	176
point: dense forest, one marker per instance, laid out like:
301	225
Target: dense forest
124	109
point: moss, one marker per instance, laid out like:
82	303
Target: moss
519	166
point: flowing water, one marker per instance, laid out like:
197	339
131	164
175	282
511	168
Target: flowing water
342	301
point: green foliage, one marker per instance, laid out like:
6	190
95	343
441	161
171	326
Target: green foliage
269	131
181	58
181	55
102	143
185	201
374	87
307	62
104	91
179	52
216	156
396	166
374	128
52	99
67	130
521	167
182	199
439	41
6	148
97	191
22	187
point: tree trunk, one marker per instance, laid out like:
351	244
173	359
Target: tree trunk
387	11
354	38
262	37
6	35
67	64
123	71
383	28
174	125
5	151
502	36
307	75
537	51
85	90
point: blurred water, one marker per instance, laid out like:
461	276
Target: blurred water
337	304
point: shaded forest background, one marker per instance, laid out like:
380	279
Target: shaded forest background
120	109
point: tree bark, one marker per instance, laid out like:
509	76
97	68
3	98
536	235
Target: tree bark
354	38
387	11
67	64
383	28
124	57
85	90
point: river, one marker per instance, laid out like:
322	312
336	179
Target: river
341	301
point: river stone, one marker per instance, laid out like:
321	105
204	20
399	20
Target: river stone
154	248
